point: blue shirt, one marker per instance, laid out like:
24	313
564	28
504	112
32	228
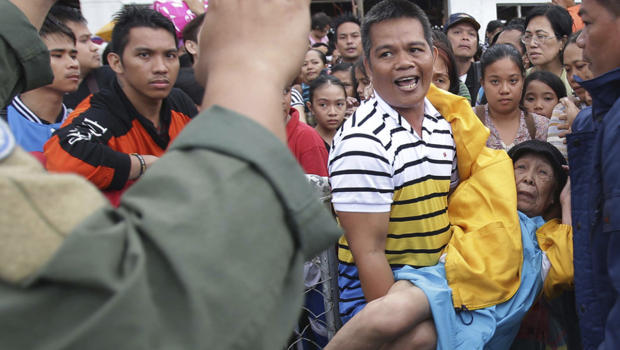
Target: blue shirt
30	131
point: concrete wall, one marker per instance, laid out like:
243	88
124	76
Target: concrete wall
100	12
485	11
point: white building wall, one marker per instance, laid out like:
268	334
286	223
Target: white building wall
485	11
99	12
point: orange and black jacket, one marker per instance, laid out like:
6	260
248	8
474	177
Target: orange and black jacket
96	139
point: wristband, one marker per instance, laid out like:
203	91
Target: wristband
142	164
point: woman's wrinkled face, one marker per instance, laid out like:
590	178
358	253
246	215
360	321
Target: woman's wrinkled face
535	184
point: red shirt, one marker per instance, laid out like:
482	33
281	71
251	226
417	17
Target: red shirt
306	145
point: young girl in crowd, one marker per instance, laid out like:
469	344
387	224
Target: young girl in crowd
547	29
542	91
363	85
328	103
502	79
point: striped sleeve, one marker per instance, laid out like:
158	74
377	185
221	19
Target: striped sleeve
360	171
296	98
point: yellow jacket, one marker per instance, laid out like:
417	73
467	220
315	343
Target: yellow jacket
556	240
484	255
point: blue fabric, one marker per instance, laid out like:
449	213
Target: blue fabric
490	328
29	135
352	298
594	159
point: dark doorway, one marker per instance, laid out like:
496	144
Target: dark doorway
434	9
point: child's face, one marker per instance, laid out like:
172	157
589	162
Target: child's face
328	106
539	98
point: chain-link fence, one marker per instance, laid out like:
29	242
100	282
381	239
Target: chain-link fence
320	319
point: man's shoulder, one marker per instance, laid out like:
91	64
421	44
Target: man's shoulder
181	102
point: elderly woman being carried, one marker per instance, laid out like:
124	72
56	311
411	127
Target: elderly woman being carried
401	318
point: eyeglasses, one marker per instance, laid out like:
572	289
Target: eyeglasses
538	38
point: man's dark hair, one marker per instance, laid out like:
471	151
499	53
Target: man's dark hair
135	16
493	25
319	44
320	20
191	29
393	9
342	67
519	21
559	18
344	18
612	5
66	13
52	26
508	27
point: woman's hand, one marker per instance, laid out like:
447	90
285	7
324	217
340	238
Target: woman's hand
571	111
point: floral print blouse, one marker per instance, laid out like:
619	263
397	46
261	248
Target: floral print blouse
495	141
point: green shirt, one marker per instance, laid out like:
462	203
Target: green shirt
206	251
24	59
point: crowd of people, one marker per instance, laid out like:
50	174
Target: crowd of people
154	195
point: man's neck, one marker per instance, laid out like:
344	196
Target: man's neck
414	116
44	103
147	107
349	60
463	64
84	73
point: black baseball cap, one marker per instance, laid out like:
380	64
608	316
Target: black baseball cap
460	17
545	149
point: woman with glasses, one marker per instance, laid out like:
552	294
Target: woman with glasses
547	28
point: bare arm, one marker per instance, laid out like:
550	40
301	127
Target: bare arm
565	203
366	234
